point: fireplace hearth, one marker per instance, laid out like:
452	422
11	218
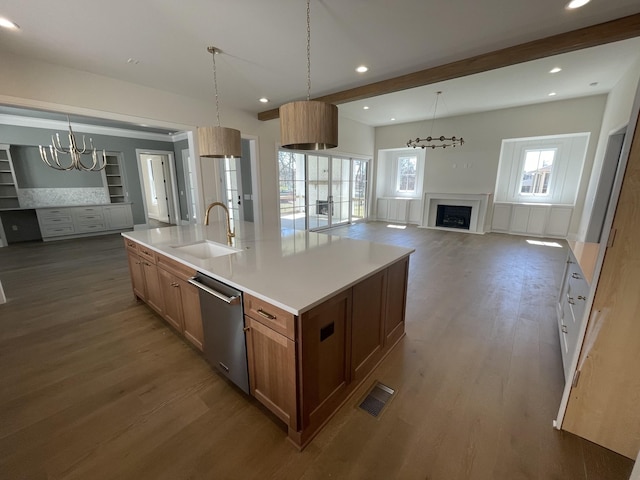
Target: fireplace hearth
453	216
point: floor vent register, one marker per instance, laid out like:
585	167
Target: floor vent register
376	400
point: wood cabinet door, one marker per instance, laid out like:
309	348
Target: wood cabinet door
325	350
137	275
191	316
272	370
367	324
153	288
396	299
172	298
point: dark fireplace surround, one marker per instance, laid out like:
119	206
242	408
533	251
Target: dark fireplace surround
453	216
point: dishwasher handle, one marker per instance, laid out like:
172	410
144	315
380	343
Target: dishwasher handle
230	300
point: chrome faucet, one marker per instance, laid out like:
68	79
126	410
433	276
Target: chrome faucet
230	234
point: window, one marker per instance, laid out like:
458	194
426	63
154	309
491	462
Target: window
407	175
536	172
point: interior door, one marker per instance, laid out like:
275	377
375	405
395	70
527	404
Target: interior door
232	187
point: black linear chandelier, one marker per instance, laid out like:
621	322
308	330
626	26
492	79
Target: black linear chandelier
432	141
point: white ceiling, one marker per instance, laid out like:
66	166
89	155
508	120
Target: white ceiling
264	48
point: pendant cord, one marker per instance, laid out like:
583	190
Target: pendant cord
215	82
433	120
308	50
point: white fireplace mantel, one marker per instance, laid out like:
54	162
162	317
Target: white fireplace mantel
478	202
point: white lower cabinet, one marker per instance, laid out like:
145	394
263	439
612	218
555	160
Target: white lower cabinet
63	222
118	217
542	220
399	210
571	310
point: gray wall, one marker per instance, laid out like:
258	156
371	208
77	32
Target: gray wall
31	172
38	174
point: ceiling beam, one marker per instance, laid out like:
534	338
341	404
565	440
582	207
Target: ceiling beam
608	32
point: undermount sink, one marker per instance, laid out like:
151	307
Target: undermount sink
206	249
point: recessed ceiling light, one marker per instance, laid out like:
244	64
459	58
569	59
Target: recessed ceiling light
133	61
393	119
576	4
555	70
362	69
264	100
552	94
6	23
365	108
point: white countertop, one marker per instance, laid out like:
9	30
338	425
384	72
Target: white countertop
295	272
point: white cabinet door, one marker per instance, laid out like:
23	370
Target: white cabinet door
118	217
501	217
382	211
398	209
537	219
520	218
559	221
415	211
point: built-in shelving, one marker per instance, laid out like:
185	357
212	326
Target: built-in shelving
8	188
114	179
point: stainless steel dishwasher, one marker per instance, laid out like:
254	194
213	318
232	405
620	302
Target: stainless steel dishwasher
223	326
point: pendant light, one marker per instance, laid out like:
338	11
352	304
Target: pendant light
435	141
217	141
308	124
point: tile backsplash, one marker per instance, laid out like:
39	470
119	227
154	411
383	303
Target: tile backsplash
61	197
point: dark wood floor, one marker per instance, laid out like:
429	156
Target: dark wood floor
95	386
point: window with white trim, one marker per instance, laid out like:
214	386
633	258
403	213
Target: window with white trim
407	175
536	171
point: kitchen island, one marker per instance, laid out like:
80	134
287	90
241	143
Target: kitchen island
320	311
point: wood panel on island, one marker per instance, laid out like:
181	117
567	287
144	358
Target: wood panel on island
301	367
161	283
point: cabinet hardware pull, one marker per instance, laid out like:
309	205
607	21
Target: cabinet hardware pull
266	314
246	329
564	329
570	300
575	275
581	297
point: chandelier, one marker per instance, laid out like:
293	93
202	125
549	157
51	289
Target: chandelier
75	153
217	141
308	124
435	142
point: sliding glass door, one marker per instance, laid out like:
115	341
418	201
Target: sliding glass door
320	191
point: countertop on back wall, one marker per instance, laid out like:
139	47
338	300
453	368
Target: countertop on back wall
294	271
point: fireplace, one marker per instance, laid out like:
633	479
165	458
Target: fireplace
453	216
476	202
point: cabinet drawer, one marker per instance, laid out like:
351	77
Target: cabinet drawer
131	245
269	315
87	210
90	227
56	230
180	270
90	218
147	253
57	221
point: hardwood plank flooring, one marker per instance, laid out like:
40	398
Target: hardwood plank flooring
94	385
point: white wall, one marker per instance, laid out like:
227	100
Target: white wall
473	167
36	84
616	115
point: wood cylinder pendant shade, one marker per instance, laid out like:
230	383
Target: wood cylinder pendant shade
219	142
308	125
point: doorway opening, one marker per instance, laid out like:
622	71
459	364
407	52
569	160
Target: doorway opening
158	185
238	185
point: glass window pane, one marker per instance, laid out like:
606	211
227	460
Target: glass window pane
536	173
